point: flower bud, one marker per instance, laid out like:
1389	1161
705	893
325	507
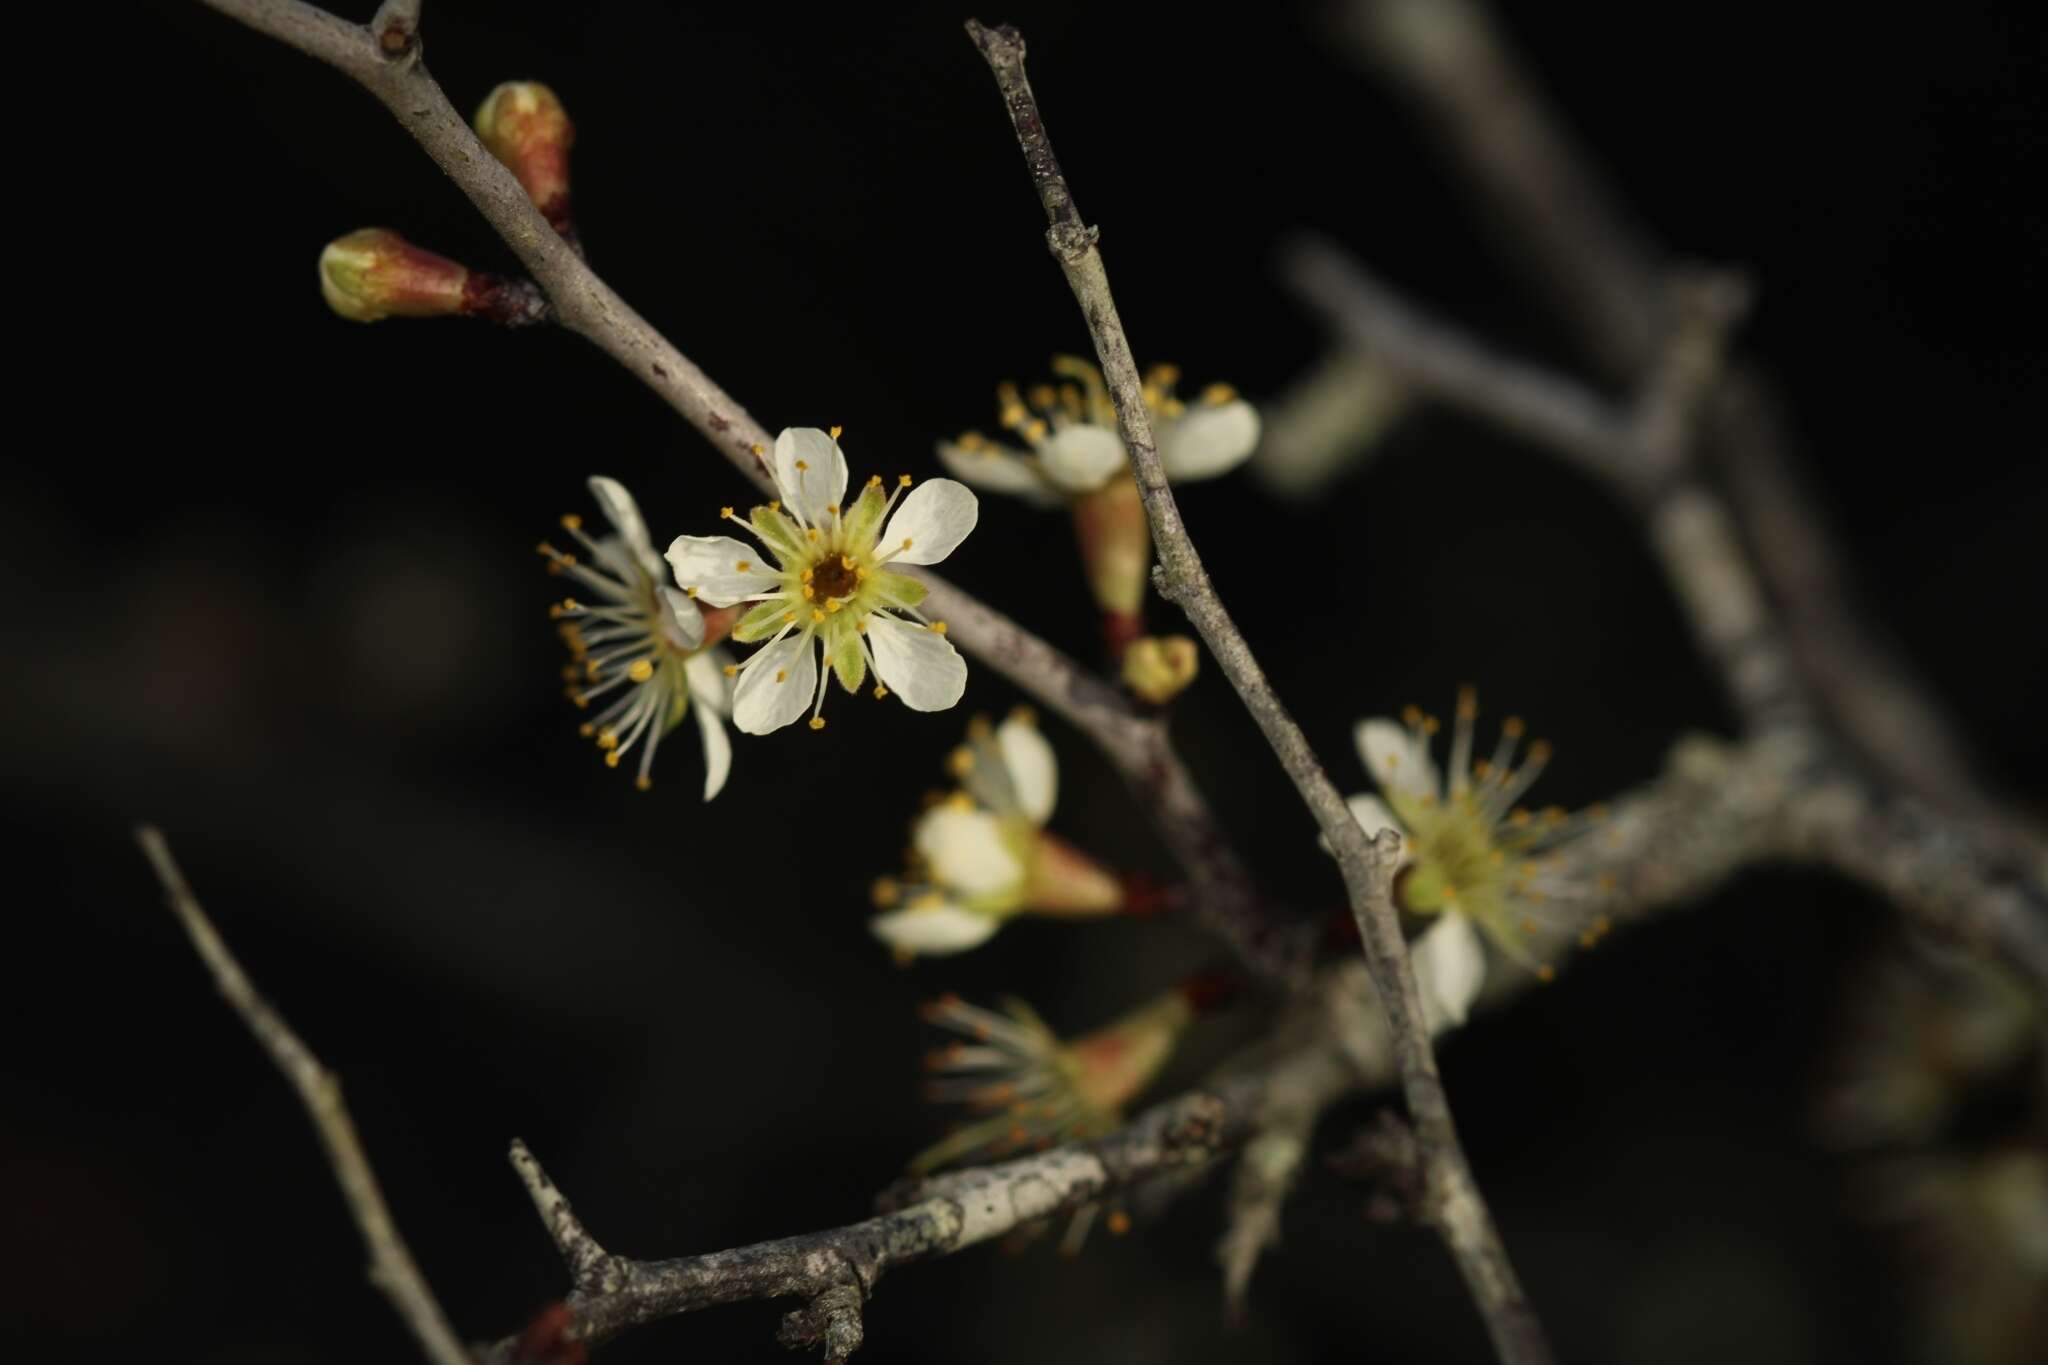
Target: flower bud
374	273
523	125
1116	549
1157	668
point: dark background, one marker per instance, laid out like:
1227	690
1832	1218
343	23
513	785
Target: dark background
275	589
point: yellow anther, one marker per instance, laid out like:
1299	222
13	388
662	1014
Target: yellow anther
1429	725
816	615
835	432
906	542
1013	415
643	782
977	727
732	670
1518	817
875	480
805	576
743	566
572	522
938	627
803	464
586	729
861	574
1411	716
832	508
1153	395
1165	375
810	533
969	440
689	592
1482	769
782	675
960	762
611	760
833	604
1023	715
755	447
1468	702
880	691
1512	727
860	627
1037	430
903	481
885	892
774	504
1119	1223
817	722
641	670
607	738
1546	973
1216	395
726	512
846	561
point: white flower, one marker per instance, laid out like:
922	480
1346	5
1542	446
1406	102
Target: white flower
1469	855
1074	447
828	583
1036	1090
982	855
638	634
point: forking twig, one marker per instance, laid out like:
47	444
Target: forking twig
1366	862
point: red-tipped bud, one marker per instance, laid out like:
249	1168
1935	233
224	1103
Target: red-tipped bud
374	273
1157	668
523	125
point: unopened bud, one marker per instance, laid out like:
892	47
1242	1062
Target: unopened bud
374	273
1116	548
1157	668
525	126
1065	881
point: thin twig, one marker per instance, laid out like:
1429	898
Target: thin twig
1366	863
835	1270
391	1265
582	302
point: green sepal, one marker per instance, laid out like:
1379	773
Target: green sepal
895	589
864	519
783	537
849	661
763	620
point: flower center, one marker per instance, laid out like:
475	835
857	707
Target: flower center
830	577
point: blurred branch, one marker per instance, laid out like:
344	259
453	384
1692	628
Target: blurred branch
1559	220
1138	745
1940	874
1366	863
1639	451
391	1265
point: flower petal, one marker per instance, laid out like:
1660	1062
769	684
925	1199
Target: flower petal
1209	440
721	570
810	470
966	852
1397	759
776	686
998	469
1450	966
1034	772
1082	457
624	514
717	751
916	663
1372	814
934	929
681	622
709	685
932	520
